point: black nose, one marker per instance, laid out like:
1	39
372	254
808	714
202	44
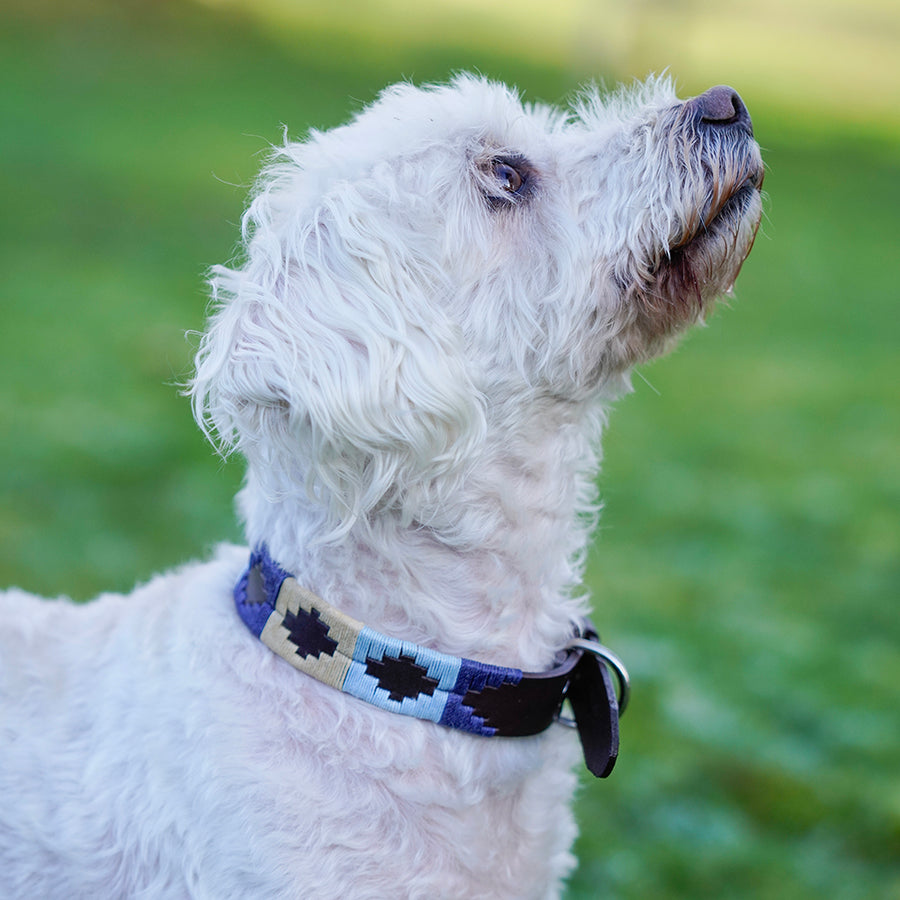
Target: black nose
722	107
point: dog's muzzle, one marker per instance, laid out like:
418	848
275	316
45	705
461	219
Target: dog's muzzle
402	677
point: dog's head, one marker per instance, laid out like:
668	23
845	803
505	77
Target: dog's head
419	277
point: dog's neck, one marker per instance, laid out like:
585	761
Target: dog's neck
505	589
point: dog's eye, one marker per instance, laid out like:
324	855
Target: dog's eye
506	180
510	178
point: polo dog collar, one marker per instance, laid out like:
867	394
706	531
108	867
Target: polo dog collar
459	693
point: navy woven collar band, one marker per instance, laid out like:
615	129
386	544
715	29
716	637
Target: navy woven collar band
403	677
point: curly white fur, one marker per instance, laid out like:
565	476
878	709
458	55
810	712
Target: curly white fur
437	304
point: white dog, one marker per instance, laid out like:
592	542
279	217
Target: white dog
437	304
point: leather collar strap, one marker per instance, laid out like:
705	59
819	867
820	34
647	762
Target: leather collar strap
403	677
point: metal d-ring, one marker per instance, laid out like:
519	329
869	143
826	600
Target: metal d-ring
605	655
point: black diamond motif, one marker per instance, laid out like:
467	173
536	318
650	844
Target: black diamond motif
308	634
493	704
402	677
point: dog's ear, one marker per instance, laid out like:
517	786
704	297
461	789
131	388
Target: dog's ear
329	364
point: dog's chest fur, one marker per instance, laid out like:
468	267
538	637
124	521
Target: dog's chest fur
168	747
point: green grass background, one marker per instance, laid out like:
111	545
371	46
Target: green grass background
747	562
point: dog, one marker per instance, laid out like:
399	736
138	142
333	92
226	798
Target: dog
435	307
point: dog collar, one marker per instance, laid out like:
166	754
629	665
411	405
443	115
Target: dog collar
459	693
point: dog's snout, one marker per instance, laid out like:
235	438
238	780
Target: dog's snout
722	107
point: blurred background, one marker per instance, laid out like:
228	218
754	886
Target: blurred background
747	562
